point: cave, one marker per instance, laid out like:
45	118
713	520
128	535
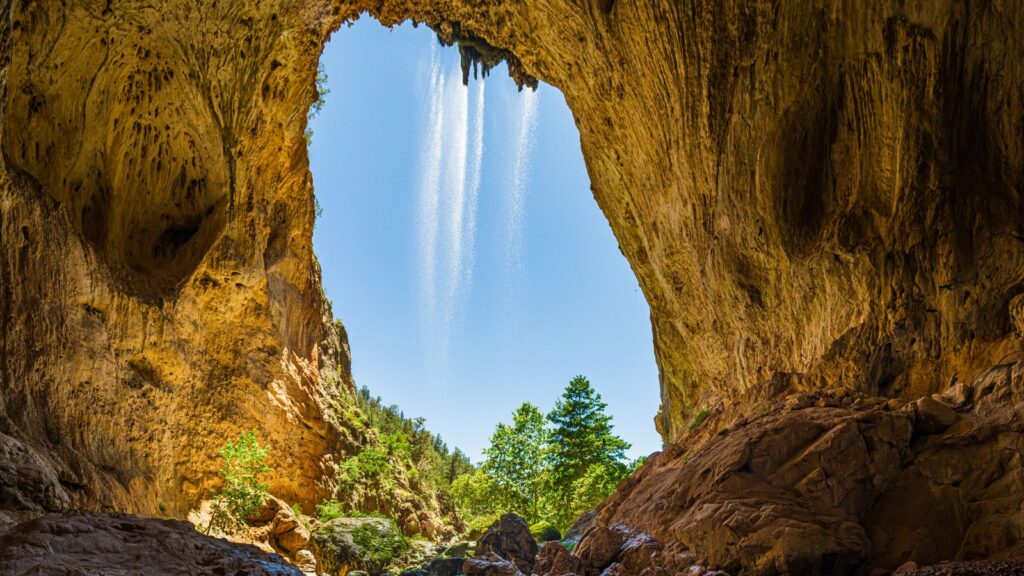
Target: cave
821	204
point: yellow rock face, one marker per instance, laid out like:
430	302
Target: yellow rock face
819	195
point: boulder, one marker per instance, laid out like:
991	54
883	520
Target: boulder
510	539
305	561
287	533
600	548
458	550
346	544
554	558
445	566
90	543
580	526
545	532
419	553
933	417
489	564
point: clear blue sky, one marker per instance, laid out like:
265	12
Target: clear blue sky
469	263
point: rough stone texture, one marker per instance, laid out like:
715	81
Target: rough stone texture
489	564
997	568
830	190
157	288
833	485
814	196
121	545
343	545
509	537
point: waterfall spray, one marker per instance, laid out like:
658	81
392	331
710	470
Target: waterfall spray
520	180
430	185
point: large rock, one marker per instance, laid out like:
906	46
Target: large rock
824	197
445	566
826	192
836	486
509	537
343	545
117	544
579	526
489	564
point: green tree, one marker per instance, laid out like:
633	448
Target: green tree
473	494
582	439
243	493
517	460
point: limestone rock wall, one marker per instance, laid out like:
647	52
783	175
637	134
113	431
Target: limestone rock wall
825	189
813	195
158	293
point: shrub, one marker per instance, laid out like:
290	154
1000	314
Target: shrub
370	465
243	493
329	510
699	419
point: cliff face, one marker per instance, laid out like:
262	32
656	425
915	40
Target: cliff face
157	288
814	197
825	189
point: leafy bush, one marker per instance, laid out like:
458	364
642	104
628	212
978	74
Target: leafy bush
243	493
699	419
329	510
370	465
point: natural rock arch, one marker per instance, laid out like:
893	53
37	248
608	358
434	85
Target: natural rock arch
813	197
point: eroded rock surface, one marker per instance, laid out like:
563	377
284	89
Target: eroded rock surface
121	545
510	538
825	484
818	199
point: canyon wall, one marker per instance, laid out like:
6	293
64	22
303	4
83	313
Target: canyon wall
814	196
158	292
829	190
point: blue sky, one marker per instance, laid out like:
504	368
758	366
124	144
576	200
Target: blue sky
461	245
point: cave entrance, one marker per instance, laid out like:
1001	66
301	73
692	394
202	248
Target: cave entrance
461	246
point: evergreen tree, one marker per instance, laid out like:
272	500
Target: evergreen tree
583	449
516	460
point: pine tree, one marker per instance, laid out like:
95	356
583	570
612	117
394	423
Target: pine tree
581	444
516	460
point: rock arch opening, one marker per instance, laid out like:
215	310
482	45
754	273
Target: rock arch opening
459	241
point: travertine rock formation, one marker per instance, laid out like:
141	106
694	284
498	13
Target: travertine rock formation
122	545
815	197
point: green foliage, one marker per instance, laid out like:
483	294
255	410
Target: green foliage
321	98
329	510
382	546
586	457
544	531
594	487
516	459
547	469
371	465
243	493
400	462
474	495
699	419
478	525
424	454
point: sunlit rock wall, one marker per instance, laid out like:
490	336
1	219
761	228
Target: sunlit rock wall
158	293
819	195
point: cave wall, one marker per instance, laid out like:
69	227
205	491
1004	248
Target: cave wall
158	293
823	190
